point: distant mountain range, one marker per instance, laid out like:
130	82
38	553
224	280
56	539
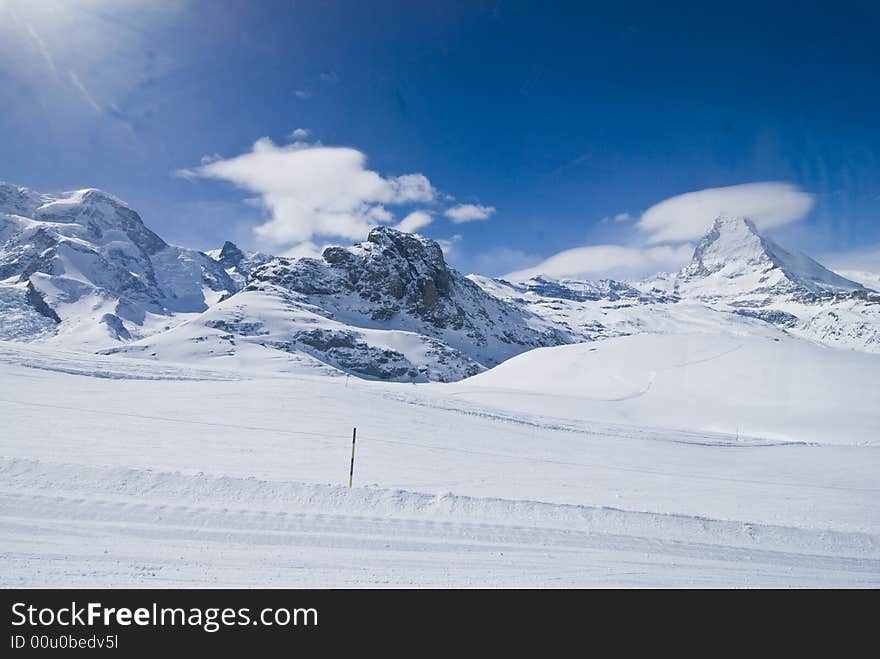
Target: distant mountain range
81	271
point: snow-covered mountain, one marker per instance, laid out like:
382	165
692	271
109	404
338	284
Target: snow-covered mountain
733	261
387	308
736	269
592	310
82	268
735	274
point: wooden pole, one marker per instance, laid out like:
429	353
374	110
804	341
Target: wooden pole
351	469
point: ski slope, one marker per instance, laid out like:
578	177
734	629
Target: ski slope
164	475
771	386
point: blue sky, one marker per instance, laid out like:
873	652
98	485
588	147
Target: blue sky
561	125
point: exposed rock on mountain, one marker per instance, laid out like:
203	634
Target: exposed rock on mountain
399	280
736	269
238	264
389	308
86	261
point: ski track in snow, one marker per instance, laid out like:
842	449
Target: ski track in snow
49	359
671	435
125	524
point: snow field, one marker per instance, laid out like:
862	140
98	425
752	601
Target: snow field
241	481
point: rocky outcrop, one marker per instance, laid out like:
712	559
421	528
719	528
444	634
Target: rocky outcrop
396	280
237	263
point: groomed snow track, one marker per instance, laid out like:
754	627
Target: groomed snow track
118	526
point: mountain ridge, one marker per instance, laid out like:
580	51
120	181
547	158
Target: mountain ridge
81	269
387	308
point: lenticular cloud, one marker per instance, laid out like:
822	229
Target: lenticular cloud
688	216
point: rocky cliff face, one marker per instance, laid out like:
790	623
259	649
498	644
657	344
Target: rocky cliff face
237	263
396	280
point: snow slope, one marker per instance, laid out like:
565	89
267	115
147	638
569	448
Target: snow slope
269	330
125	479
775	387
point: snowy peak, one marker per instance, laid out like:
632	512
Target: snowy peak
100	218
406	268
737	270
392	300
85	261
732	241
389	308
734	251
17	200
230	255
237	263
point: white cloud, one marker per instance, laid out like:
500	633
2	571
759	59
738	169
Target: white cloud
868	279
302	94
617	261
688	216
863	258
414	221
620	217
307	249
380	214
449	245
313	190
469	213
300	134
411	188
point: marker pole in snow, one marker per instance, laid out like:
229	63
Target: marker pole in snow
354	432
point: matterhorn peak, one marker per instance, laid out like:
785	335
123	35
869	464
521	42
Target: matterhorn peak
734	254
732	239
